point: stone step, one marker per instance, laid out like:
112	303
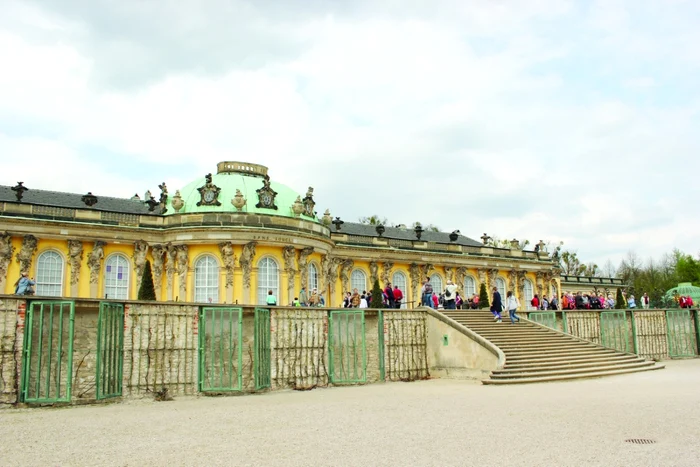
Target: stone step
512	348
591	374
574	370
532	340
553	352
536	367
544	358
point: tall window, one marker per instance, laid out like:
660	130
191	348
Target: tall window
553	291
528	293
358	280
313	277
117	277
49	274
469	287
268	279
399	280
501	286
206	280
436	282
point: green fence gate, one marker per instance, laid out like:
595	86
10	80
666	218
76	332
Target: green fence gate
220	349
380	343
545	318
110	350
613	330
47	366
346	341
681	338
262	357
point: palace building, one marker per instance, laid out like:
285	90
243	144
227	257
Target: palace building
232	236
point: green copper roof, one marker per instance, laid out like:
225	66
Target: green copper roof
234	176
684	289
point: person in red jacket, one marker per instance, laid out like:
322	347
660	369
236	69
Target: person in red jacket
398	296
436	301
535	302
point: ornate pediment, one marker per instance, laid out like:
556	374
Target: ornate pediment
266	195
209	193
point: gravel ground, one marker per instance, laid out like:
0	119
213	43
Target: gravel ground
437	422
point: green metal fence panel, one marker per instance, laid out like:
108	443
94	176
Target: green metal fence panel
220	349
564	322
545	318
681	336
635	341
48	352
110	350
380	342
263	354
613	330
346	341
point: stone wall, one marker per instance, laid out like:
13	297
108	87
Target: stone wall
11	337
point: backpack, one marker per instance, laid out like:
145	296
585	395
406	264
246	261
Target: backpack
447	293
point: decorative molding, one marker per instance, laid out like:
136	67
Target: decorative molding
266	195
386	272
94	261
309	203
75	257
415	274
460	276
182	267
345	269
139	257
209	193
373	274
158	253
6	252
512	280
246	262
26	252
449	273
228	259
170	265
491	274
289	253
302	264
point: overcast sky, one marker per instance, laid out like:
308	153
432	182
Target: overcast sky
572	121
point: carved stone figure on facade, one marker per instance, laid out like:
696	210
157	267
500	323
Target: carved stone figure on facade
326	261
94	261
303	264
460	276
345	274
449	273
492	274
182	267
386	272
289	253
75	257
228	259
158	253
6	251
139	257
171	265
26	252
209	193
425	269
512	280
521	283
266	195
539	282
373	273
246	262
414	272
309	203
333	273
481	273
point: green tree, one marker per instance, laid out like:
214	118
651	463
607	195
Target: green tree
483	297
619	300
147	291
374	219
570	264
687	268
426	228
377	297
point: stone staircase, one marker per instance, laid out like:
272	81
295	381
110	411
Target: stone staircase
535	353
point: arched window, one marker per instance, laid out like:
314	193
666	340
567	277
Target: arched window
501	286
436	282
313	277
206	280
358	280
553	291
117	277
399	280
49	274
528	293
268	279
469	287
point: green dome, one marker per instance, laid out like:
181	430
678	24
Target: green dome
247	178
684	289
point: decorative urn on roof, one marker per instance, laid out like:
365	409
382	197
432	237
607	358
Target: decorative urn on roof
177	202
297	207
238	201
327	219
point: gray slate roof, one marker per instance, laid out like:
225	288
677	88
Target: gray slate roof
73	201
352	228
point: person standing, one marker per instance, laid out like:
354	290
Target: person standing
24	285
398	296
355	299
496	305
644	301
390	298
271	299
303	299
427	292
512	304
450	296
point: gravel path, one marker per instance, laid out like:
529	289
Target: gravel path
438	422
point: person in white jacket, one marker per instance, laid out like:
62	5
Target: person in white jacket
512	304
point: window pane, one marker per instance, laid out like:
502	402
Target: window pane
399	280
313	277
358	280
206	280
436	281
528	294
49	274
469	287
501	285
117	277
268	279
